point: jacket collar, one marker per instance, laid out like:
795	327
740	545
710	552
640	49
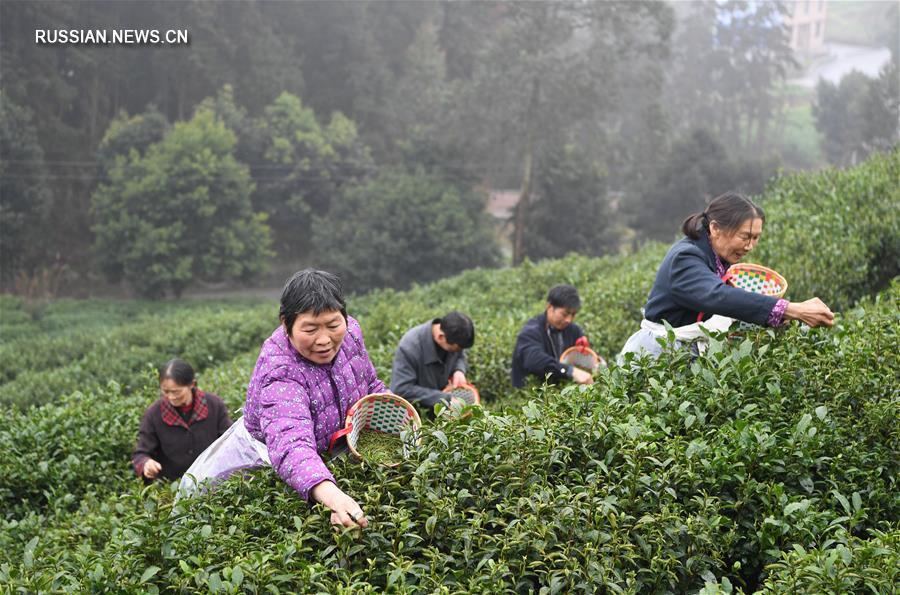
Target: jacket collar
705	244
427	344
171	417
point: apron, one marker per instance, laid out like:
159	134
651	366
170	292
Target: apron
645	340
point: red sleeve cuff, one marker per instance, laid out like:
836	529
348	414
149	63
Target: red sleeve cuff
138	465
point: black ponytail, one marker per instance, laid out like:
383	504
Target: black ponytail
729	211
694	223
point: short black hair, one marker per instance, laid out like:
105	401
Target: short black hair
177	370
459	329
564	296
311	290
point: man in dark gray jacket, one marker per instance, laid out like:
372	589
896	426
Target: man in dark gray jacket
430	356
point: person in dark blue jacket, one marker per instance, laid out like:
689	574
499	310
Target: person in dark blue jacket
544	338
689	289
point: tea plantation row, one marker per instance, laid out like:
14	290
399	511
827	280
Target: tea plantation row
47	363
770	465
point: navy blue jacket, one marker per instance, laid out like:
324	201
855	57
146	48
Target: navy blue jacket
536	354
687	284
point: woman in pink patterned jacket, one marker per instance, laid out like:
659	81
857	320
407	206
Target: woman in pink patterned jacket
311	370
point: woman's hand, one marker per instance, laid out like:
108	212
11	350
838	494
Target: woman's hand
813	312
344	509
151	469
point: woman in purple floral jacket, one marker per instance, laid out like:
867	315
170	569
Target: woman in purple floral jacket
311	370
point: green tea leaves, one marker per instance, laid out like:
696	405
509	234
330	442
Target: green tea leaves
149	573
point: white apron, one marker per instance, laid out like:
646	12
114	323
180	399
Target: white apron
645	340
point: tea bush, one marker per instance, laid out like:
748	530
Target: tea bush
82	443
835	234
202	336
19	319
684	475
846	564
771	464
57	452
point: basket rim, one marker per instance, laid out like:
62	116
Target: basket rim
469	386
750	266
600	361
348	422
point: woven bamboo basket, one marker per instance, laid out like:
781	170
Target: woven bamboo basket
757	279
583	358
382	412
466	393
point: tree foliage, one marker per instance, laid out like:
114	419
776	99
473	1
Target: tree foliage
730	57
131	133
570	211
859	115
403	227
477	94
302	166
550	71
180	212
25	195
696	169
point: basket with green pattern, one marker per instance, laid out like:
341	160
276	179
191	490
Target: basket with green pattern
381	428
757	279
462	396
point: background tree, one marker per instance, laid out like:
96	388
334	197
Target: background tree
352	53
179	213
859	115
75	91
547	68
131	133
881	109
403	227
570	211
421	98
696	170
425	116
303	166
24	192
479	95
728	60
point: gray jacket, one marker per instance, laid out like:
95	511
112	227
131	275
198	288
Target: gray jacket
418	375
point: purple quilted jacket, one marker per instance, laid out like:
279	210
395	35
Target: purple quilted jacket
294	405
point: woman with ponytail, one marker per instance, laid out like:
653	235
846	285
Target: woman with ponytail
689	293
